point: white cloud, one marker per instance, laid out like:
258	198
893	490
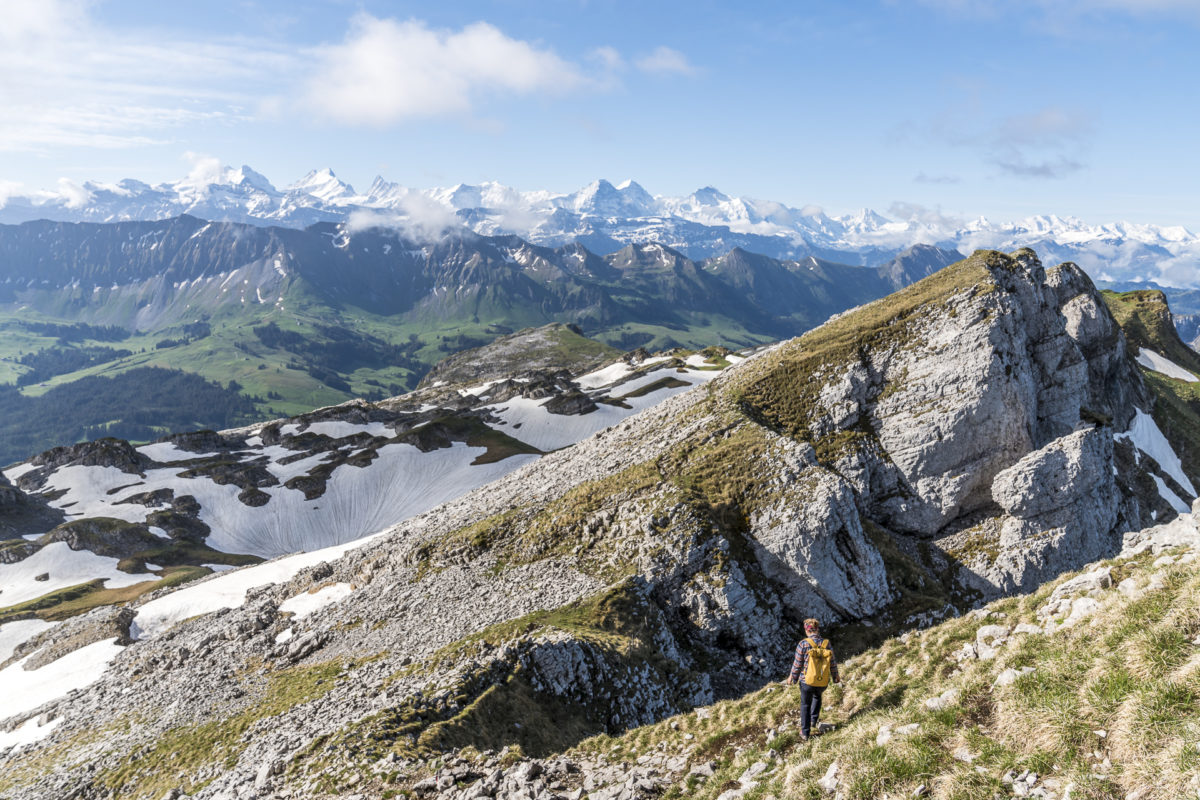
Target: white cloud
9	190
205	170
665	60
418	218
75	195
388	71
923	177
1047	143
1044	144
66	80
609	58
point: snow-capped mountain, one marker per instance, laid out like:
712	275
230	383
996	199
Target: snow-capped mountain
606	217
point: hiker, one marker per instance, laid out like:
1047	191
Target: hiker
814	666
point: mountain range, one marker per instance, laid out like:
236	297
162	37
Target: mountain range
280	320
605	217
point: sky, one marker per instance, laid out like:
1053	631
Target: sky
999	108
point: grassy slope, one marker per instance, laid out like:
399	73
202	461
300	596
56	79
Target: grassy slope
550	346
1146	321
1131	671
1145	318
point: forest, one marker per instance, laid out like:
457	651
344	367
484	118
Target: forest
141	404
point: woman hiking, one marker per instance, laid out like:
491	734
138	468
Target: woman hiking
814	666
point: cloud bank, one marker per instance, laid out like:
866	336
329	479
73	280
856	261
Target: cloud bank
387	71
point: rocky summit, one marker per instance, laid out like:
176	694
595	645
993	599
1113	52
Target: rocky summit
565	630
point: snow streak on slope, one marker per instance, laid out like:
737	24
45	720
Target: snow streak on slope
28	733
17	632
1146	436
1172	499
310	602
1159	363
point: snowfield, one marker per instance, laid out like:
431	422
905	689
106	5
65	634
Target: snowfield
528	420
400	483
65	567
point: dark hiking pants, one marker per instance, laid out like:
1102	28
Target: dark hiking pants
810	707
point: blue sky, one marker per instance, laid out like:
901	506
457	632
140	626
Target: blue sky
1001	108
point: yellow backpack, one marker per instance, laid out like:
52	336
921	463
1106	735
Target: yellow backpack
819	658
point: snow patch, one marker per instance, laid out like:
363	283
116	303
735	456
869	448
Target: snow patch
339	429
309	602
14	634
25	690
479	390
86	492
547	431
228	590
28	733
1160	363
603	377
1172	499
165	452
18	471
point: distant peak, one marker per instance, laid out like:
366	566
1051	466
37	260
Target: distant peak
710	195
248	176
322	183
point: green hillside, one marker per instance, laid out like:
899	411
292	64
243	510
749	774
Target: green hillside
1105	706
1146	321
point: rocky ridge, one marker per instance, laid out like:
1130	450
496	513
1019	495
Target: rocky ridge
670	556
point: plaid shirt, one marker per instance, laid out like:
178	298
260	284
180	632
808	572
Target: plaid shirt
800	664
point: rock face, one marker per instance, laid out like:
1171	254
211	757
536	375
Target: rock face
970	408
663	562
811	541
21	515
1060	501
